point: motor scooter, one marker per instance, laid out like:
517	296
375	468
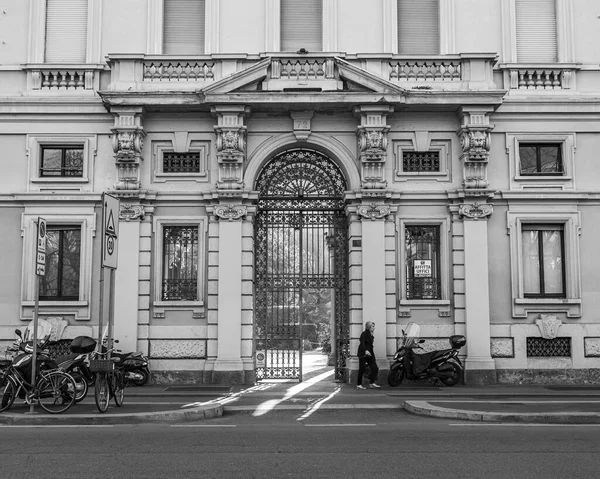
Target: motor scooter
444	365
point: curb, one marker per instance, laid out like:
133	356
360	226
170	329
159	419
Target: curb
423	408
174	416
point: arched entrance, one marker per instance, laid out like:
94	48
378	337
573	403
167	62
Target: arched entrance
301	270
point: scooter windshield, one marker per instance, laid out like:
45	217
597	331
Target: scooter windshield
412	334
44	331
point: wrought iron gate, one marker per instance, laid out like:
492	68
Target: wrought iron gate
300	263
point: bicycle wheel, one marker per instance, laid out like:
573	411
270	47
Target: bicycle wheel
101	392
8	392
119	387
56	391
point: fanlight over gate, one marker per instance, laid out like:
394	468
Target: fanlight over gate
300	264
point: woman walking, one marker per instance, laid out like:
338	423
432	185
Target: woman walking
366	355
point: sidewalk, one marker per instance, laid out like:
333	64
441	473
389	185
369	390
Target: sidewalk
151	404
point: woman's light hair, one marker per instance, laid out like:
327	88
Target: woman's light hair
368	324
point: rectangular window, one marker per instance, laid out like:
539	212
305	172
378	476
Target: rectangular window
420	161
540	158
61	161
422	255
180	263
184	27
66	31
418	27
301	25
181	162
536	31
543	265
63	262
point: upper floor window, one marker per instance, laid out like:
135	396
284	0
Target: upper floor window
61	161
66	31
422	259
541	159
418	27
63	260
184	27
543	264
301	25
536	31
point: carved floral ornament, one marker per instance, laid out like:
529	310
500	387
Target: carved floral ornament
475	211
230	212
130	212
373	211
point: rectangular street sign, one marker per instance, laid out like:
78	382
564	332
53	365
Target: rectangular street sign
110	231
40	248
40	269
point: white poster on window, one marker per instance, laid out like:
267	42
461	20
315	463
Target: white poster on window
422	268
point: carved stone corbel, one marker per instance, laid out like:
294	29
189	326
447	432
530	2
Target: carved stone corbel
230	145
475	211
549	325
127	142
373	211
475	140
230	212
372	145
128	212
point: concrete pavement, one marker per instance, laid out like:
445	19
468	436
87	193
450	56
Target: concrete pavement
151	404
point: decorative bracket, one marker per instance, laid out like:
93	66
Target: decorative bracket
372	144
128	141
475	211
475	139
231	145
230	212
130	212
373	211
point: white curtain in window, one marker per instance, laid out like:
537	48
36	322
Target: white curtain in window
66	31
536	31
418	27
531	262
553	266
184	27
301	25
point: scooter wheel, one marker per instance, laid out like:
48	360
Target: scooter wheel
456	376
144	380
81	386
396	376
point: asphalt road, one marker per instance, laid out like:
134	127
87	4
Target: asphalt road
280	444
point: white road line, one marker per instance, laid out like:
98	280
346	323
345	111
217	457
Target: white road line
529	424
203	425
338	425
318	404
512	401
56	425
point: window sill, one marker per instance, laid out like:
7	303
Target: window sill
180	304
570	306
442	306
61	304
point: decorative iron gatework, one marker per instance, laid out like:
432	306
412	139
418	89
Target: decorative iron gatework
301	264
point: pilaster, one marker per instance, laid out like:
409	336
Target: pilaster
128	141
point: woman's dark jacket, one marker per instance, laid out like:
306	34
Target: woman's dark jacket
366	344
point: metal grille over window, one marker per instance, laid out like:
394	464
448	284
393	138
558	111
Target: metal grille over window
420	161
422	244
62	162
541	347
180	266
181	163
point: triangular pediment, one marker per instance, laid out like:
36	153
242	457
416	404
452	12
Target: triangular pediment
301	74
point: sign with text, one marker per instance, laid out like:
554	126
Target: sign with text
422	268
40	249
110	231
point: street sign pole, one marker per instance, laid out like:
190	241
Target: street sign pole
40	270
110	236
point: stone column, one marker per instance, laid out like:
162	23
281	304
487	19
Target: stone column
127	276
480	368
228	366
127	139
373	274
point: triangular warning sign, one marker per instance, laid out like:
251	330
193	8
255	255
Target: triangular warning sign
110	224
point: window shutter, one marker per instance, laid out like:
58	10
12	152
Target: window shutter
536	31
418	27
66	31
301	25
184	26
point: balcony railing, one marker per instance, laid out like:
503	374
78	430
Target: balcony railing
63	78
539	77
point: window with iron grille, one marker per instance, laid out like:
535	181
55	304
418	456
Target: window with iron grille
422	253
540	159
543	265
420	161
180	263
63	262
541	347
62	161
181	162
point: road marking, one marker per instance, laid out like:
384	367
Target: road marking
338	425
512	402
57	425
232	397
204	425
528	424
313	408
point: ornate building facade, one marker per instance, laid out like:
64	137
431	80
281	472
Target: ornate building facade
290	170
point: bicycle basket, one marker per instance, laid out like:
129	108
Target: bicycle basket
101	365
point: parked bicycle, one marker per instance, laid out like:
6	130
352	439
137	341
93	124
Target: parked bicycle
110	379
52	389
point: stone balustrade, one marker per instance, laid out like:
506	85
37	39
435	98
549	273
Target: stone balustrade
63	78
539	77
